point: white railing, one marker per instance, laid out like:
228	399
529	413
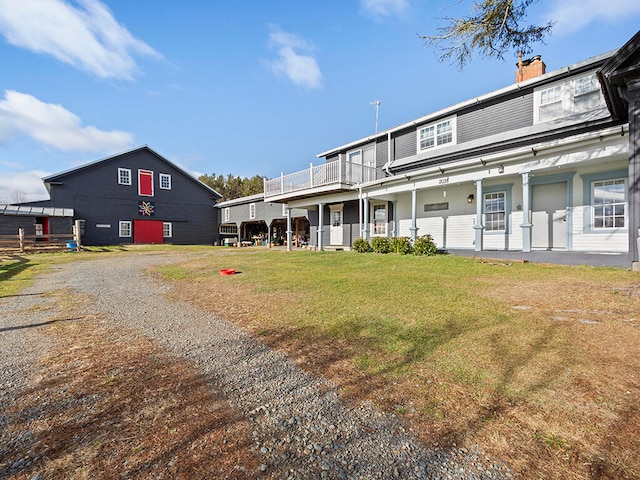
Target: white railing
339	172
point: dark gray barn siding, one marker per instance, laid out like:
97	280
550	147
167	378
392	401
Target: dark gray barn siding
96	197
495	118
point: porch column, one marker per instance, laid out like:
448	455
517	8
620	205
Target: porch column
394	222
526	213
478	226
320	222
365	218
288	229
414	215
633	97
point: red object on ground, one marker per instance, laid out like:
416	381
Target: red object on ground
228	271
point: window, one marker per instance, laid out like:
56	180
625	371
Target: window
361	164
145	183
285	209
561	100
231	229
125	229
436	135
495	211
165	181
380	219
167	230
227	214
252	210
124	176
609	203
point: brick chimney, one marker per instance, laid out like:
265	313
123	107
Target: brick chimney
529	68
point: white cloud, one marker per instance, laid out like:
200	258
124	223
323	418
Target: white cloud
53	125
25	186
573	15
87	36
384	8
294	61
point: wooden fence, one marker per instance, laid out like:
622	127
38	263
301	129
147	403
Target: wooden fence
50	242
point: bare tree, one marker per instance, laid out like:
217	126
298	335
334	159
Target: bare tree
18	196
493	28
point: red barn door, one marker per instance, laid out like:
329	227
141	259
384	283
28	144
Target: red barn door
147	231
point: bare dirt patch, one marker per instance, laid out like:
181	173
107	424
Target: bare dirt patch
109	403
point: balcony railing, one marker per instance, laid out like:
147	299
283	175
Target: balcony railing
339	173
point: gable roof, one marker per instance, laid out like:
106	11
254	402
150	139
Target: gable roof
60	176
616	73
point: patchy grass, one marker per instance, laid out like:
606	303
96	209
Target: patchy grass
537	364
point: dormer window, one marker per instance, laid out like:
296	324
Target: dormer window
567	98
436	134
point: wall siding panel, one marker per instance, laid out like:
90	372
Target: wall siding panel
497	118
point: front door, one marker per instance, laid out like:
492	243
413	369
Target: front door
336	237
147	231
549	216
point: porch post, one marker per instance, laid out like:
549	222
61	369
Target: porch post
478	226
311	175
288	229
526	213
414	214
365	218
394	222
320	222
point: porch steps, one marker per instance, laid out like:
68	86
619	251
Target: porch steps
335	248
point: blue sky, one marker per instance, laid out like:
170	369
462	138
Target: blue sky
248	88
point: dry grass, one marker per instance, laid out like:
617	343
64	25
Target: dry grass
552	388
110	404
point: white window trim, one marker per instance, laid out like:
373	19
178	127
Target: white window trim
167	177
227	214
123	170
167	230
454	135
625	203
121	225
141	170
252	211
373	220
504	211
567	95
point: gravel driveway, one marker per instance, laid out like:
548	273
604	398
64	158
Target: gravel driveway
300	426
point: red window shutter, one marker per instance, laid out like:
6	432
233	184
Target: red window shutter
145	183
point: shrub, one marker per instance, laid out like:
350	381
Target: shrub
381	244
401	245
424	245
360	245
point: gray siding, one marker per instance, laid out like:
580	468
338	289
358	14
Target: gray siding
381	153
405	143
495	118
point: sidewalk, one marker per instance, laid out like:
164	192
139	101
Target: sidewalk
618	260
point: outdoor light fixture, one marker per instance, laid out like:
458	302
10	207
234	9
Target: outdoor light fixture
470	198
500	168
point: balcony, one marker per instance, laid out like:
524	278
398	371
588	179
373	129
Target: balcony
328	177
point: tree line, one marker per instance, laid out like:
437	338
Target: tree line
231	187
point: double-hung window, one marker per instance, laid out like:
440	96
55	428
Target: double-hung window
167	229
495	213
609	204
252	211
124	229
436	135
227	214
